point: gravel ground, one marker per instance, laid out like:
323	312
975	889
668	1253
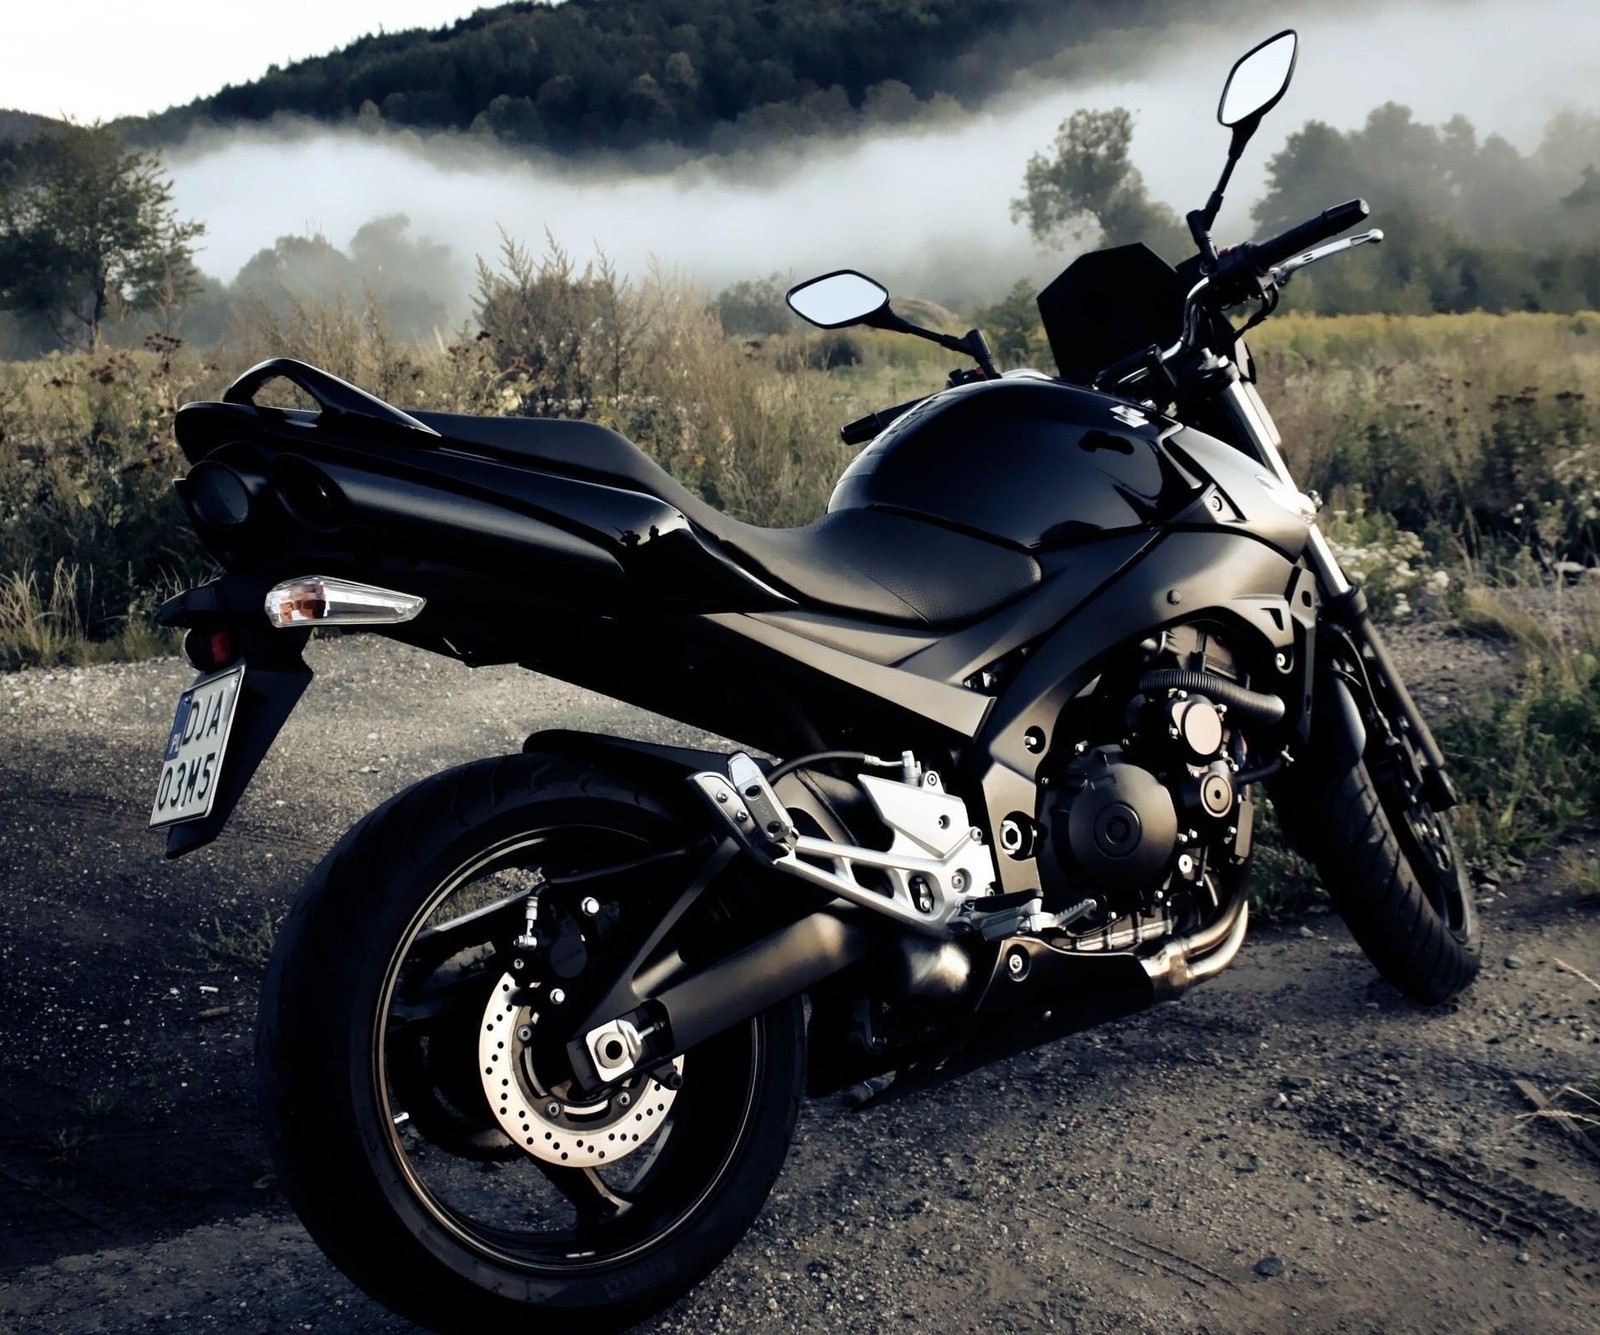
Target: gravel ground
1292	1145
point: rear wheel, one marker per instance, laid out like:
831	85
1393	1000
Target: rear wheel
414	1131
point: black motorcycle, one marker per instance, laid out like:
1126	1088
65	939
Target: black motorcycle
534	1036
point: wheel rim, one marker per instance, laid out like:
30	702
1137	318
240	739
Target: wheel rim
497	1199
1429	849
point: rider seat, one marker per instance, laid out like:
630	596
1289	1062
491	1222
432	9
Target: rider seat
872	564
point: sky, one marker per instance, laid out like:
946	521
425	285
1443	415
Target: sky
99	59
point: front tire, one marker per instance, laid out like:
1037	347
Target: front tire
383	1136
1392	869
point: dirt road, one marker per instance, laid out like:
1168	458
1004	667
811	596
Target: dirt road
1290	1147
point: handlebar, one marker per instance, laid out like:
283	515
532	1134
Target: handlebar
863	429
1247	271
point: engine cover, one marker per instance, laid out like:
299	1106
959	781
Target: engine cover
1116	823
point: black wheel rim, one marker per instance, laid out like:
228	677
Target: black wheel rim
499	1201
1428	848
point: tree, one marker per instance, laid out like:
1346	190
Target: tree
1092	182
88	232
754	307
1012	325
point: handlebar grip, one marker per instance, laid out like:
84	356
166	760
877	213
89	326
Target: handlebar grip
863	429
1275	250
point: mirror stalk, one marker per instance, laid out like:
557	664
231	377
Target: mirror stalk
971	344
1200	220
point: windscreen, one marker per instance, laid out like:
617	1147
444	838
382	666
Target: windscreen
1109	304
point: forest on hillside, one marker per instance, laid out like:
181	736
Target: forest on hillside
1471	222
593	75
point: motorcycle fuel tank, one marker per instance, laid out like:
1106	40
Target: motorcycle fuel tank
1031	461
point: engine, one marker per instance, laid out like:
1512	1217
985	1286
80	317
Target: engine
1146	827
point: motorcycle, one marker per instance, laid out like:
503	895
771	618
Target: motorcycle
534	1036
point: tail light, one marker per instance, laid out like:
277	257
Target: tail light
209	650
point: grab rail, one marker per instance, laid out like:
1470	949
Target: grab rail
335	398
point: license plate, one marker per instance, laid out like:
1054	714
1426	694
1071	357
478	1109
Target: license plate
191	769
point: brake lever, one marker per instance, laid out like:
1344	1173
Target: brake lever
1282	273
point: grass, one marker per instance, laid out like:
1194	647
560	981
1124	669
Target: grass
1479	433
1283	885
1528	759
248	947
100	1103
1580	869
1447	434
1576	1105
65	1147
43	624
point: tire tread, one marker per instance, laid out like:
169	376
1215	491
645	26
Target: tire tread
1376	892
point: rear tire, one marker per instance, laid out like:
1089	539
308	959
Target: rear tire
1405	897
438	1215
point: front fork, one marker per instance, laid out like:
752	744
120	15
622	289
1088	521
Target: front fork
1343	603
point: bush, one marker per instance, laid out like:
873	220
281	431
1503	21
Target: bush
88	519
1390	564
1528	761
1479	433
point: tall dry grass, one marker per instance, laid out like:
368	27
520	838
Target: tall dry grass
1444	425
91	534
1480	433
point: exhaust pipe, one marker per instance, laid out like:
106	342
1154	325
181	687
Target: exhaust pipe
1188	960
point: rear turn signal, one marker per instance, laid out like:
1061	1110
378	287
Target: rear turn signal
320	600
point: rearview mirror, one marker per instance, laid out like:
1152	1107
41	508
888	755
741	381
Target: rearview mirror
837	299
1259	80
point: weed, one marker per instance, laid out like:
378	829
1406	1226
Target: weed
1576	1105
1389	563
42	623
1486	612
100	1103
1580	868
66	1146
248	947
1528	760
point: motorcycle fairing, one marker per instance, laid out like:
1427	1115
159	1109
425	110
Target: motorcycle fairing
1109	304
1185	576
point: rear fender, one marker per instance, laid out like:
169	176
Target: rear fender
275	678
267	697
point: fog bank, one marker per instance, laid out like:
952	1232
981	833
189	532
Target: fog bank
926	211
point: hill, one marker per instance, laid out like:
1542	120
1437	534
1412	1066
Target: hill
17	125
616	74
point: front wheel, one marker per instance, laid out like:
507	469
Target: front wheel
413	1129
1392	869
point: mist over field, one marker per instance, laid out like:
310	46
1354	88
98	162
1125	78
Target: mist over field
926	209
